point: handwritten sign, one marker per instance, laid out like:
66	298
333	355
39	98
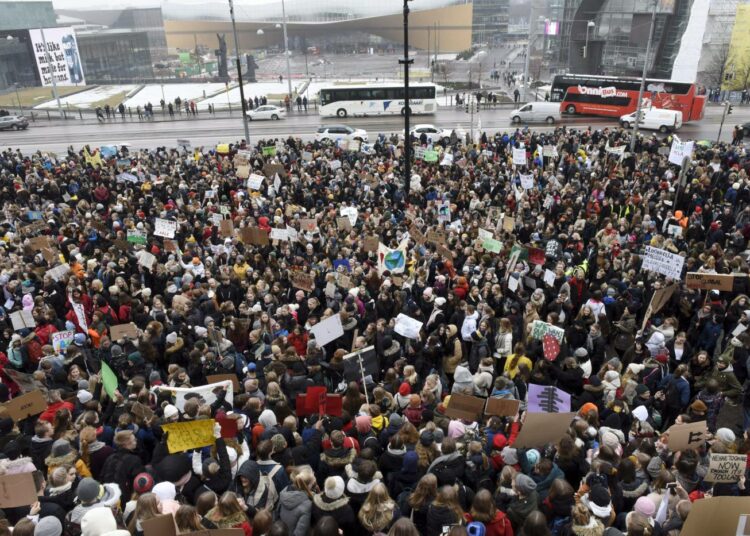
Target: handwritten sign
302	280
539	429
165	228
308	224
123	331
539	329
26	405
465	407
407	326
255	181
371	243
725	467
492	245
663	262
519	156
687	436
709	281
189	435
61	340
136	236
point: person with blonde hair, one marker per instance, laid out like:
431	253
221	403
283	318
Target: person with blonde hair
444	510
147	507
379	511
420	500
295	502
229	513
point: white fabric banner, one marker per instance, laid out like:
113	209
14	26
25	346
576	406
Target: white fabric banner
203	392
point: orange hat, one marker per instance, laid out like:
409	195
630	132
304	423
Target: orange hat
196	260
587	408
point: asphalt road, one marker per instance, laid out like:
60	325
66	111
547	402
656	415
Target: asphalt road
56	137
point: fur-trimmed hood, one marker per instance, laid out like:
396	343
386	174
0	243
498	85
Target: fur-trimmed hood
338	457
327	505
68	459
17	466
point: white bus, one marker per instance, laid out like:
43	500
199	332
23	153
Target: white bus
376	99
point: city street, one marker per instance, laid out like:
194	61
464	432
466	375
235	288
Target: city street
56	137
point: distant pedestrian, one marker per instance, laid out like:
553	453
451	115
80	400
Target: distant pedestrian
139	112
171	110
193	108
281	79
107	110
99	114
122	111
256	102
299	103
304	102
516	95
187	108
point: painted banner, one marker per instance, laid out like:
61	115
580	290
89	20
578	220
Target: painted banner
547	399
204	393
189	435
539	329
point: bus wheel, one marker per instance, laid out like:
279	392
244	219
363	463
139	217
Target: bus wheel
550	120
664	129
571	109
341	112
403	111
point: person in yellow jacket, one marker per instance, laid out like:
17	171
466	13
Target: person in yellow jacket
241	267
515	360
63	454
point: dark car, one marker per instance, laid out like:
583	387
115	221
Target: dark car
746	130
18	122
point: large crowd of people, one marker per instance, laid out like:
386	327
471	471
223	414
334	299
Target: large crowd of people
131	280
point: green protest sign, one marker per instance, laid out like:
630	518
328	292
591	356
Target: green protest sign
430	156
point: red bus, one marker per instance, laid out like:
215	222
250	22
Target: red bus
613	96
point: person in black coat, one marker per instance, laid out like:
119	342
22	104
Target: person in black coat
332	502
592	392
450	466
124	464
568	374
406	479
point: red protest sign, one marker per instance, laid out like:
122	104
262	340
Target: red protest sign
551	347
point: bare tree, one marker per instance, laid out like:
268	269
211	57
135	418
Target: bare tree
718	66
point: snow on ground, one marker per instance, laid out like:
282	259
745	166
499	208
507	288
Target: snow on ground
275	89
153	93
86	99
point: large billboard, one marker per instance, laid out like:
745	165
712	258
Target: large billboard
737	69
62	60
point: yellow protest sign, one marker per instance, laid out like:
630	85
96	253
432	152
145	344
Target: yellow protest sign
189	435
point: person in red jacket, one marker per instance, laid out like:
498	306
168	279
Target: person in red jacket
55	403
483	509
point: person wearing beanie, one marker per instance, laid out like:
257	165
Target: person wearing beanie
524	502
331	501
402	397
599	502
48	526
62	453
91	495
100	521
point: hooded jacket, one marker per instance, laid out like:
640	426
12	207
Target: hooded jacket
463	381
258	495
333	462
448	468
339	509
294	510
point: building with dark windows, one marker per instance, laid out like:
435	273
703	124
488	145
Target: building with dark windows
489	21
115	56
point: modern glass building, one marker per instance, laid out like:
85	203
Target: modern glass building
489	21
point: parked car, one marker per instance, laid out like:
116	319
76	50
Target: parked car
267	111
655	119
532	112
18	122
340	132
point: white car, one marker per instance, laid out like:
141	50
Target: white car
435	134
266	112
340	132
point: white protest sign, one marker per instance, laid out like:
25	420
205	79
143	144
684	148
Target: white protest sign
146	259
549	151
165	228
292	234
679	150
619	150
549	277
447	159
80	316
58	272
663	262
327	330
527	182
255	181
519	156
407	326
278	234
675	230
485	235
539	329
335	164
204	394
276	182
350	212
513	283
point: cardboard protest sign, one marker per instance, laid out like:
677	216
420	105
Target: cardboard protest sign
269	170
141	410
255	236
344	224
189	435
687	436
718	515
407	326
502	407
539	429
25	382
22	320
243	172
539	329
161	525
548	399
519	156
371	243
509	224
308	224
17	490
302	280
26	405
216	378
165	228
466	407
709	281
725	467
663	262
327	330
123	331
436	236
226	227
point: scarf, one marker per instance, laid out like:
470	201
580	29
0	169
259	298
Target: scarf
93	447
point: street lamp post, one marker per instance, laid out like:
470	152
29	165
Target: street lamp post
407	109
589	26
239	73
528	51
643	77
286	52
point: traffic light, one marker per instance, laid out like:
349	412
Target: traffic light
466	107
477	106
583	51
729	108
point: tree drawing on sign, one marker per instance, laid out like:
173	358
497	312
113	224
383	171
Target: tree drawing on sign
548	400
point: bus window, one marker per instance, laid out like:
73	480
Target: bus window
394	93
